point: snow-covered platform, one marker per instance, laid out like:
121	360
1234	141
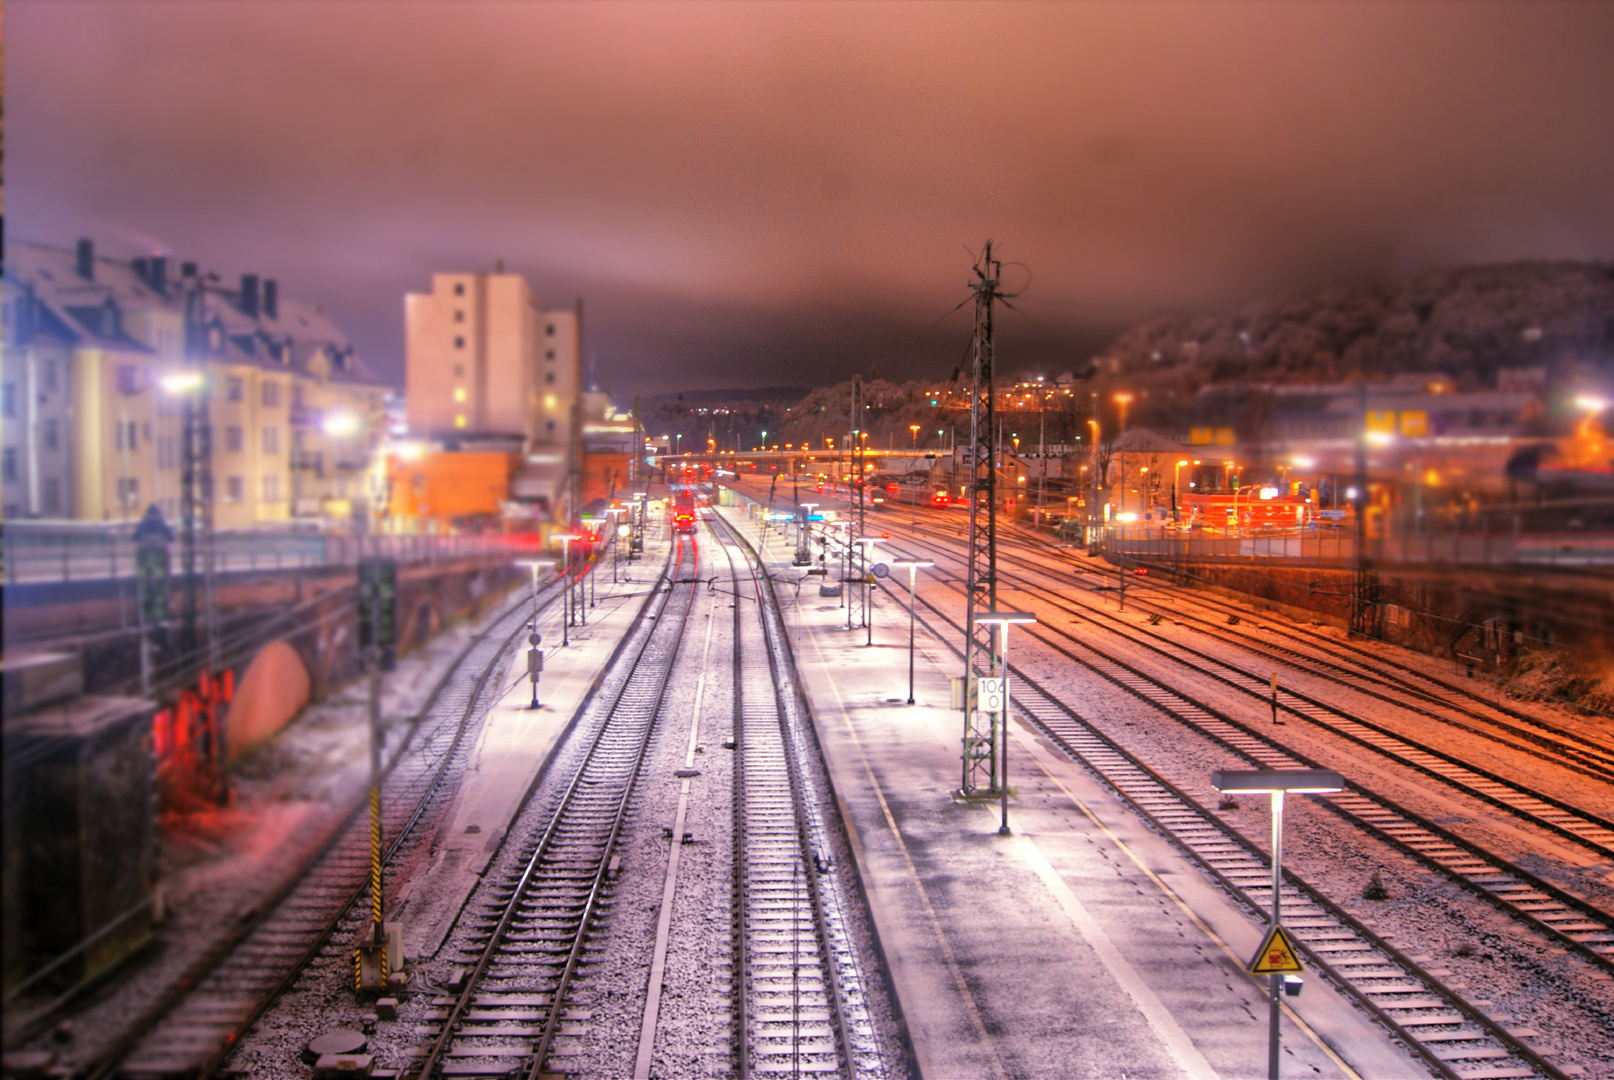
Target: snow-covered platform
1083	944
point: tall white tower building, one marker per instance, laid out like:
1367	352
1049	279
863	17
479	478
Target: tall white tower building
483	362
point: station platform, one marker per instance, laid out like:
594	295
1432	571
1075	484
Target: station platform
1081	945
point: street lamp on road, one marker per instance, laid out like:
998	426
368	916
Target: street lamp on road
913	566
1000	670
1276	782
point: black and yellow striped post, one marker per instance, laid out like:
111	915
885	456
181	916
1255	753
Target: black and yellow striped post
370	958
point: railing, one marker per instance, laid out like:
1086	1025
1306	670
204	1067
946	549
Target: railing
60	552
1336	545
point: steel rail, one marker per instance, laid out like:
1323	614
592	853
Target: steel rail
1516	892
1562	749
530	873
1340	649
1597	833
1248	888
1479	871
835	997
1548	742
191	979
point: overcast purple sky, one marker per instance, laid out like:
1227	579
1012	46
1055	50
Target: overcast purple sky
780	194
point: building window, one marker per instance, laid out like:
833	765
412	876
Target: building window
48	375
234	487
10	471
459	343
128	491
52	497
234	388
8	400
549	376
128	377
549	329
459	316
50	435
271	440
459	421
459	371
271	395
271	488
552	427
459	288
126	434
459	393
549	355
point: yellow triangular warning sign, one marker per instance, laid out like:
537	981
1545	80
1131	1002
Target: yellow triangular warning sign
1276	956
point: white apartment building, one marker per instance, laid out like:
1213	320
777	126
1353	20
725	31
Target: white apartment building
484	362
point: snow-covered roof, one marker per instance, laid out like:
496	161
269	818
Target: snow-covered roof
298	336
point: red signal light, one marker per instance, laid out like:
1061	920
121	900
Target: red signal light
1142	570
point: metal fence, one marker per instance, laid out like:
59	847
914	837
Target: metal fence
58	552
1332	545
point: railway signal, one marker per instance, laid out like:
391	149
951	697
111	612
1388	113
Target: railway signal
1270	959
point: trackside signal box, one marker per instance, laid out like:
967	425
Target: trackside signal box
378	608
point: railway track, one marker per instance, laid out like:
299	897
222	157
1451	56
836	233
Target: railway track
1564	919
1588	829
802	1003
1454	1037
532	927
1363	670
190	1029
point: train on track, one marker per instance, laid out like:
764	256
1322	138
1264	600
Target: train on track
684	511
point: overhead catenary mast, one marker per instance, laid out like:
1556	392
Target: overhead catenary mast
982	730
856	615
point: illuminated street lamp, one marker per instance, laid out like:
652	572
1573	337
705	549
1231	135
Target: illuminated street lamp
1000	669
181	382
868	543
617	534
340	423
535	658
1123	399
566	569
1176	507
913	566
1276	782
913	432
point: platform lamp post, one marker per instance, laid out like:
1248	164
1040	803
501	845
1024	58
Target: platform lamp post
804	544
913	567
868	543
1276	783
535	658
566	569
995	691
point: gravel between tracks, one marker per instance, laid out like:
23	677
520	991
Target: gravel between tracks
217	864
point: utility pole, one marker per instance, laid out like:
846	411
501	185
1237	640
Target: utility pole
856	606
1042	455
1364	591
982	731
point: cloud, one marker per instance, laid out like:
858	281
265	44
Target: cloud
783	164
